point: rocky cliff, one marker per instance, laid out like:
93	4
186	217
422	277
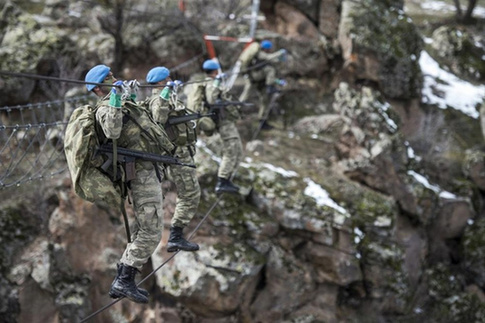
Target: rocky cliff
364	204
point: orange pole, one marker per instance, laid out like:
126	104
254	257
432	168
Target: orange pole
210	48
182	5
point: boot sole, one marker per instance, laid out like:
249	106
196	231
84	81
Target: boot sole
131	299
117	295
174	249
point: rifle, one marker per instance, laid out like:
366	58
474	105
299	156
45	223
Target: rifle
128	156
217	108
188	117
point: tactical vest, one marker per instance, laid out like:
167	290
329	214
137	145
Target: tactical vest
141	132
182	134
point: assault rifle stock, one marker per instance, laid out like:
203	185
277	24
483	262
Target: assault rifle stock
128	156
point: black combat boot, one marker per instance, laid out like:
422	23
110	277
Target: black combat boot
177	242
226	186
125	285
115	294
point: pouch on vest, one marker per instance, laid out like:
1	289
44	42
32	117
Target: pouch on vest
181	134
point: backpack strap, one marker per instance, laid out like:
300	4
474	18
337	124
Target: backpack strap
149	135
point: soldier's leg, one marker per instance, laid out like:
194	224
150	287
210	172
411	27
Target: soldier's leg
232	150
270	75
246	90
263	104
148	205
188	190
188	197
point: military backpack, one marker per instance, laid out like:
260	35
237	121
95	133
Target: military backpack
80	142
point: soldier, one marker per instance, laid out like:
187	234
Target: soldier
257	61
205	97
163	105
129	125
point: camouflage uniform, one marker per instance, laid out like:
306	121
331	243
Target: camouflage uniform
232	150
259	78
185	178
145	188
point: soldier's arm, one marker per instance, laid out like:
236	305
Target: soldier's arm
212	93
160	109
111	120
271	57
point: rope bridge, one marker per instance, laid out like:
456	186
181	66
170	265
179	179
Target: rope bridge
31	140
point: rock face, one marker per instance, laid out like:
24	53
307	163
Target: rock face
360	207
458	50
380	44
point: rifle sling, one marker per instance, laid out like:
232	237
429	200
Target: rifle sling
115	160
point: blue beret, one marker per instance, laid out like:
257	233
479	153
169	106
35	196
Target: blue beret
266	44
97	75
210	65
157	74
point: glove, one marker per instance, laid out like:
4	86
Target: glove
218	79
178	83
167	90
115	95
280	82
117	88
132	87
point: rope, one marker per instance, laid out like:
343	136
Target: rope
15	128
31	140
160	266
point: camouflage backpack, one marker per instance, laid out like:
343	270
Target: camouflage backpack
81	140
249	53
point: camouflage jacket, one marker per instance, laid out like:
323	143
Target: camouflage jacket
133	127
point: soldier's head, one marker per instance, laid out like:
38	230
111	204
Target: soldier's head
211	67
99	74
159	75
266	45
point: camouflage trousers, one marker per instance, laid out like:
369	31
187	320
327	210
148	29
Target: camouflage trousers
263	97
232	150
146	231
188	189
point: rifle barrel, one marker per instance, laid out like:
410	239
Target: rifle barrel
137	154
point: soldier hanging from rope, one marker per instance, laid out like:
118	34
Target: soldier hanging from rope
165	107
128	125
206	98
258	62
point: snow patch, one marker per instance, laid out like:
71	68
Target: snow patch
321	196
454	92
423	180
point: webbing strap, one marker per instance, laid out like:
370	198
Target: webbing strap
149	135
125	218
115	160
